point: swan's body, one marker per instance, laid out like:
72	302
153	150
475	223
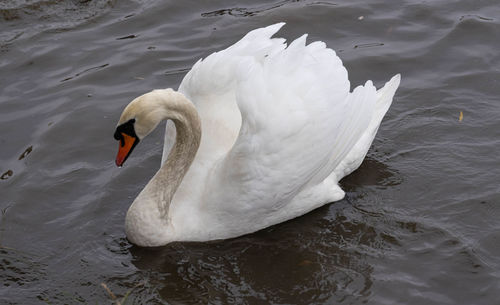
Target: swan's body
278	130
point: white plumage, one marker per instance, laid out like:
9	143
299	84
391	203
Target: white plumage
279	130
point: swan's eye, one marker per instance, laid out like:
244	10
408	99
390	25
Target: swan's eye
125	128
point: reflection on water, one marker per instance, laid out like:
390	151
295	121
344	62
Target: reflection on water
371	172
19	269
276	265
419	224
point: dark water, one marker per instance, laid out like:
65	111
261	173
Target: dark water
421	220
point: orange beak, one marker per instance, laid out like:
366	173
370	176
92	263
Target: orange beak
125	146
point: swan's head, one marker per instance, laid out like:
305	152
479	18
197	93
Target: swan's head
138	119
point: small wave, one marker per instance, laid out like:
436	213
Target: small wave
47	15
244	12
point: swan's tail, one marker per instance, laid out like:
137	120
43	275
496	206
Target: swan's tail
354	158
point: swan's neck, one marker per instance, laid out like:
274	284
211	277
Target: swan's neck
147	221
168	178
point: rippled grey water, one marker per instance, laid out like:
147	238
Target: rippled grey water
421	220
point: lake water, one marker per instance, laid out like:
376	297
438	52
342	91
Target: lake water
421	220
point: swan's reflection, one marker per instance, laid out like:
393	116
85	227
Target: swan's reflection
371	173
312	259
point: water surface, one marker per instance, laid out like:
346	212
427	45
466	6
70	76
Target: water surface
420	222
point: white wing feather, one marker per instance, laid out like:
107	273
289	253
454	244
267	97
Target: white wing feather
298	122
278	123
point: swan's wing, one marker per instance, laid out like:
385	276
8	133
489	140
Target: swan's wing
356	155
298	122
216	74
211	85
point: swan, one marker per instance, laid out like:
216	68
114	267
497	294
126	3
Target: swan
257	134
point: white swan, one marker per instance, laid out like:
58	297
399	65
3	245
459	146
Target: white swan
262	133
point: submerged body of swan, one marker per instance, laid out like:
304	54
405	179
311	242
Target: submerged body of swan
261	133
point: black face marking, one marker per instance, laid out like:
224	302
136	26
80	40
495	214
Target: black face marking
126	128
122	130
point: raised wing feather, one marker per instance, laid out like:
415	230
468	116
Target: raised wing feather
217	73
358	152
298	121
